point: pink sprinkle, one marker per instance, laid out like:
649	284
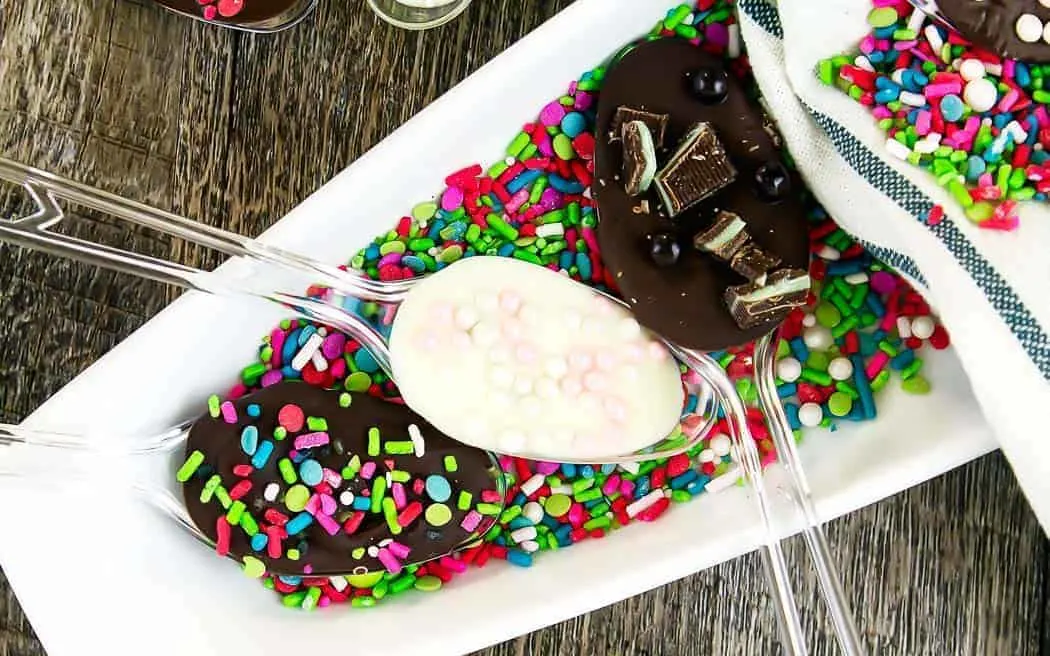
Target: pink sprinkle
583	101
277	344
611	484
922	123
271	377
627	488
452	199
933	91
222	536
867	45
324	602
547	468
392	564
577	514
1008	70
273	542
450	563
1009	99
332	477
333	345
328	504
552	114
517	200
397	490
883	282
313	504
311	440
471	521
210	13
418	486
491	496
327	523
546	146
590	239
876	364
889	320
230	8
337	368
229	412
398	549
368	470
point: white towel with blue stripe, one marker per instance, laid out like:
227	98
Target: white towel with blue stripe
991	288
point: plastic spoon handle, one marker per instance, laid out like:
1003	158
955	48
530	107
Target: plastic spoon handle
793	638
813	533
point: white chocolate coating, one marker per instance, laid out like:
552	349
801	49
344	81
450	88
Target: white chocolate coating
513	357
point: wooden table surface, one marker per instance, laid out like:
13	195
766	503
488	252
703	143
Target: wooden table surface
236	130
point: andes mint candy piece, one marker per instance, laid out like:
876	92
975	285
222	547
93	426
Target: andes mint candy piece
725	237
755	304
639	158
698	169
657	124
752	262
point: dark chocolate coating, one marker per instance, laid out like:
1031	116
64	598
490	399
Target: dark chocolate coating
264	15
685	303
329	555
991	25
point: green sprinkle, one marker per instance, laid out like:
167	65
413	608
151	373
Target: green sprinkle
912	369
399	476
880	380
253	567
358	381
840	404
510	514
373	441
916	385
979	212
582	484
378	492
463	503
251	374
214	404
358	553
352	467
316	424
345	400
428	583
209	488
557	505
451	465
249	525
402	583
392	247
390	515
312	595
280	433
563	147
236	511
501	227
287	469
296	497
488	509
527	256
364	601
294	600
598	522
397	448
519	144
223	496
379	591
828	315
190	467
424	211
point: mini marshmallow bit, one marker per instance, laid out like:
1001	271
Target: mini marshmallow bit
724	238
657	124
699	168
752	262
1028	28
753	304
639	158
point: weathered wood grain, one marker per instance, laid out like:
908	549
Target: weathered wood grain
236	129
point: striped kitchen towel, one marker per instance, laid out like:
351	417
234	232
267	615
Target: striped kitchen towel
991	288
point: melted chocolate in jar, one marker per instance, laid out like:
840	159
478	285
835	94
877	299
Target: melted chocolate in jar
254	13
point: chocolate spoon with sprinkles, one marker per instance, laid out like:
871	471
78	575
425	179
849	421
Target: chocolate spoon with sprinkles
292	480
596	379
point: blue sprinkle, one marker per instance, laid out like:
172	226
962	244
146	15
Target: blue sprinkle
975	166
696	486
311	472
868	344
253	410
568	469
352	305
592	503
565	260
886	96
288	372
844	267
365	362
641	487
1021	75
519	558
860	381
298	523
520	499
262	454
506	250
259	541
903	359
361	503
551	523
372	252
522	180
787	390
583	265
799	349
305	334
559	183
691	402
608	469
519	522
501	541
791	411
563	531
412	262
679	482
291	345
573	124
952	107
875	305
249	440
586	471
438	488
1000	120
291	580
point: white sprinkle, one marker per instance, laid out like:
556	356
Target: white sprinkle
533	512
529	546
419	445
809	319
858	278
1028	28
789	369
1046	32
994	69
810	414
904	327
725	481
529	487
320	362
933	36
922	327
898	76
721	444
915	21
562	489
630	467
1016	131
927	145
971	69
339	583
306	353
523	533
897	149
981	95
818	338
707	455
829	253
912	98
733	48
863	62
1045	3
271	491
373	551
645	502
346	497
550	230
840	369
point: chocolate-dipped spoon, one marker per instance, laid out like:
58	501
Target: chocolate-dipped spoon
295	480
1016	29
245	15
711	250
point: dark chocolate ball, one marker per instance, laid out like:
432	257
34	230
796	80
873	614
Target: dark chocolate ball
664	248
773	181
709	85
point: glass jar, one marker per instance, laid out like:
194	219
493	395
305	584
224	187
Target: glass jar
418	14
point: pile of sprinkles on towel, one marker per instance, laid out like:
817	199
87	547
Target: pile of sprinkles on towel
976	121
534	205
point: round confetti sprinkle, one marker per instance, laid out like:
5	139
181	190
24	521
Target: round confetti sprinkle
291	418
296	498
438	514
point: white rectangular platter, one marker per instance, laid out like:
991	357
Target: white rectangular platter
156	591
